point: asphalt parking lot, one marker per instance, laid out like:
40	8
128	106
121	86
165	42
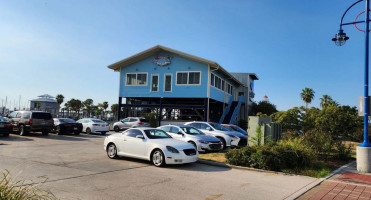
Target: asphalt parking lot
77	167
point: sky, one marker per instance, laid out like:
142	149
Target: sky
64	47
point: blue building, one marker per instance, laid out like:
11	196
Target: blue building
179	86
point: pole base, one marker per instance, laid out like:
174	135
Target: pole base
364	159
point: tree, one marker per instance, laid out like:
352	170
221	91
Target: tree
327	100
114	109
290	119
307	96
265	107
75	105
88	105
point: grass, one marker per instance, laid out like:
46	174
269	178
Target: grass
217	157
18	190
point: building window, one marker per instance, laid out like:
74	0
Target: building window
181	78
212	79
136	79
167	82
188	78
154	83
229	88
218	82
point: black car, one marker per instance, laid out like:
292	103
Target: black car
5	127
66	125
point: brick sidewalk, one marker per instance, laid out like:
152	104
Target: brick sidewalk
350	186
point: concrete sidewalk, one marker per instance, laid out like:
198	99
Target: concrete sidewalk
345	184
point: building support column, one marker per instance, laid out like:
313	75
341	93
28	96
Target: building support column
119	109
160	113
206	108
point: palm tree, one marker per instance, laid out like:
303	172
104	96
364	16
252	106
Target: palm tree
59	99
88	104
105	106
325	101
307	96
114	109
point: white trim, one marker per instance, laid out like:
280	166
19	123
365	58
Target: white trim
208	82
158	82
187	84
136	80
225	84
171	83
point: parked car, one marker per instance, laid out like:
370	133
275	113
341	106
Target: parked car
228	138
232	127
91	125
193	136
130	122
26	121
5	127
66	125
150	144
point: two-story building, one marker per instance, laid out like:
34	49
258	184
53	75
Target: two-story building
181	87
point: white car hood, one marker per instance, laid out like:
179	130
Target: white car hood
205	138
180	145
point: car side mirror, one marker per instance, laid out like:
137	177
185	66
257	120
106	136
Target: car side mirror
180	133
208	128
139	136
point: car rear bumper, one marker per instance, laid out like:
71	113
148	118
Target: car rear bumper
38	128
99	129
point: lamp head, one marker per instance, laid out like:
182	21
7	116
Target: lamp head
340	38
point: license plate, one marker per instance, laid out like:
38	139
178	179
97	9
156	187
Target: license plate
75	128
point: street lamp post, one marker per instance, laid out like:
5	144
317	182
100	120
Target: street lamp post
364	149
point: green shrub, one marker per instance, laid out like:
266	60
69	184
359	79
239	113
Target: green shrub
290	154
10	190
343	151
151	117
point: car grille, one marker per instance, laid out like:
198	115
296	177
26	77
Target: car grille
242	142
215	146
217	142
189	152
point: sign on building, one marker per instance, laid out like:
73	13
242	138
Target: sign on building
361	106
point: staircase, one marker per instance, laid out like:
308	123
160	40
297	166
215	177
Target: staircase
231	112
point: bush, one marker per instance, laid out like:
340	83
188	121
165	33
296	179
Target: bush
290	154
151	117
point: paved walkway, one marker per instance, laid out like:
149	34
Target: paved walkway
346	184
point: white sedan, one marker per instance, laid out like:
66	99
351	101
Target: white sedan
150	144
90	125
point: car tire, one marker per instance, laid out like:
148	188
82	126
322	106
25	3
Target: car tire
112	151
58	130
88	130
6	135
158	158
45	132
103	133
21	130
116	128
223	143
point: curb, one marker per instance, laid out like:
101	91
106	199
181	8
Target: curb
296	194
313	184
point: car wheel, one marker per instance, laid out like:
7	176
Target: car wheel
116	128
45	132
158	158
223	143
103	133
21	130
58	130
88	131
112	151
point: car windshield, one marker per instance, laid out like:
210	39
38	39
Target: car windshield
36	115
192	131
237	128
2	119
67	120
98	121
156	134
218	127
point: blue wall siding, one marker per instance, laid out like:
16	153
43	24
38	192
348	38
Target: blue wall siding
218	94
177	64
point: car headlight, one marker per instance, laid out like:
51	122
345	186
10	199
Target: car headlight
172	149
232	136
204	142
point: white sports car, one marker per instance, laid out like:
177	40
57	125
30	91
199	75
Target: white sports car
150	144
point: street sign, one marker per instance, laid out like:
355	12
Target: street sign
361	106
